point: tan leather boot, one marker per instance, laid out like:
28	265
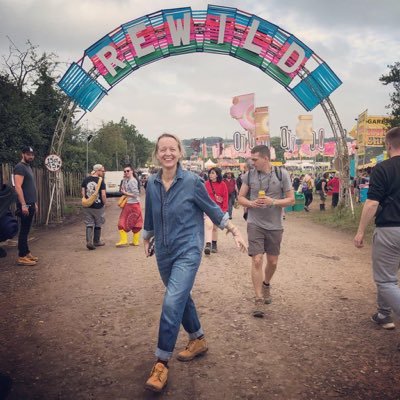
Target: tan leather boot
195	348
32	257
25	261
158	378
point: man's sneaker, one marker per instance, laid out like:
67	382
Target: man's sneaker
214	248
158	378
32	257
267	294
258	311
207	249
25	261
195	348
385	322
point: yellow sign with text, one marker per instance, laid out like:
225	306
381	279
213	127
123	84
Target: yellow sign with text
376	131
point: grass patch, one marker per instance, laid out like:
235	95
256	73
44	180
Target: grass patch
343	220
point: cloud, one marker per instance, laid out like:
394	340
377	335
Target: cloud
191	94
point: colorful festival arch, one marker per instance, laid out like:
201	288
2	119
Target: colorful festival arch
218	30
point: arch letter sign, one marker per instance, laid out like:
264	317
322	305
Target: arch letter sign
219	30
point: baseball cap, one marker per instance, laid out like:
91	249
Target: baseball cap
27	149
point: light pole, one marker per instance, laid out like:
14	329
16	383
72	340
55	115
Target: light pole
88	139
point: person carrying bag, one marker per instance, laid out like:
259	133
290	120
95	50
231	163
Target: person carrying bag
93	192
88	201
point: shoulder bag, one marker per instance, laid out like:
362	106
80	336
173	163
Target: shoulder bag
87	202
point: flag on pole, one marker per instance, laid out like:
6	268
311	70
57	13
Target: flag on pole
204	148
242	109
261	120
304	129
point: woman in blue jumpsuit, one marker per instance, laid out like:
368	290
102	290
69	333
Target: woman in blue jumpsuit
175	203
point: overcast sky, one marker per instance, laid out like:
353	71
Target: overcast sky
191	95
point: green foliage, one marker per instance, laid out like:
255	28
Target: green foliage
276	144
393	77
18	125
118	144
30	105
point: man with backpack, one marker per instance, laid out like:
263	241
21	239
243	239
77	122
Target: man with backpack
264	192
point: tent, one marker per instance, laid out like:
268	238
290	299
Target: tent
209	164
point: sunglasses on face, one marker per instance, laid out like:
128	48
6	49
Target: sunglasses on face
126	171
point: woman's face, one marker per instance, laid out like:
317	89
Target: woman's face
212	175
168	153
127	172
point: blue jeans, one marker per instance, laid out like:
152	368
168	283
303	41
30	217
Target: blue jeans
178	273
231	202
25	227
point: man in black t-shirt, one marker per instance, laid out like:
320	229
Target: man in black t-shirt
94	215
27	206
383	202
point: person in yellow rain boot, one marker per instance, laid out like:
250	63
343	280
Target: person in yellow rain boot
123	239
135	239
130	218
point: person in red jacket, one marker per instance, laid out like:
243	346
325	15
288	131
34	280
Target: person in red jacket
230	181
334	185
218	192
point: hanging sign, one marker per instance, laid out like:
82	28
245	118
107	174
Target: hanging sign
53	162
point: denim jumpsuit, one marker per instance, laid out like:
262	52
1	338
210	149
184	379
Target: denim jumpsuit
176	220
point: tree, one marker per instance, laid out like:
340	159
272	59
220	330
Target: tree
393	77
23	66
276	144
17	122
120	143
29	102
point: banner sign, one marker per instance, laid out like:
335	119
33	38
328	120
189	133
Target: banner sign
219	30
261	118
304	129
242	110
376	131
362	132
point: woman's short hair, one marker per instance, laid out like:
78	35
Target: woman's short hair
167	135
217	171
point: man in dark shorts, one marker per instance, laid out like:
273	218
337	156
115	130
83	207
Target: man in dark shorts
264	192
383	203
94	216
27	206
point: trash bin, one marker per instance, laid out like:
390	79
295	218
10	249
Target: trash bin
299	202
288	209
363	193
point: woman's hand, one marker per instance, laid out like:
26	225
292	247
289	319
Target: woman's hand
237	236
146	246
240	243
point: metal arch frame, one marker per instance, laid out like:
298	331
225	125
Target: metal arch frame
314	89
55	211
340	139
342	150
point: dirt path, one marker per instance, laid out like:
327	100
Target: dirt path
83	324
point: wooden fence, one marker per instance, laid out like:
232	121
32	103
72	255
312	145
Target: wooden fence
70	182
